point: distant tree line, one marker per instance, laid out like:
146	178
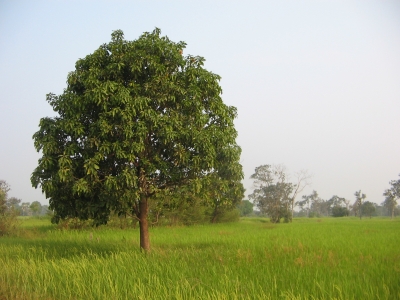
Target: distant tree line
314	206
17	207
274	195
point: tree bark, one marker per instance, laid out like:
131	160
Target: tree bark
144	224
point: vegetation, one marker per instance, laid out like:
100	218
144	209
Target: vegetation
8	215
137	125
368	208
391	196
246	208
359	202
325	258
339	211
274	195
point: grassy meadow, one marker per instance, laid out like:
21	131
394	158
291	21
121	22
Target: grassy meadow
329	258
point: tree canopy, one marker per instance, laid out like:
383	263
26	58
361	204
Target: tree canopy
136	120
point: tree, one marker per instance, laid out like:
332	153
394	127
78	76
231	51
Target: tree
391	196
339	211
390	202
302	180
274	180
4	189
137	118
272	194
335	206
8	216
312	203
368	208
3	201
359	202
245	208
25	207
36	207
347	203
13	203
45	211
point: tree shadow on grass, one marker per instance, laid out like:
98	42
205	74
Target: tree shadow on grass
67	249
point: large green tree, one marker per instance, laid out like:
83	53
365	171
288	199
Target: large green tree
136	119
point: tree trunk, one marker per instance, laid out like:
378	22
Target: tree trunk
291	211
214	215
144	224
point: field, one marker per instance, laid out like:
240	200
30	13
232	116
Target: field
342	258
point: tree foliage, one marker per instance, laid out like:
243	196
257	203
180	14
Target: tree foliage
137	119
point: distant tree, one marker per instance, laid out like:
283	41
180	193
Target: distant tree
359	202
335	201
315	205
4	189
25	207
36	207
304	206
318	207
302	179
340	211
347	203
3	202
368	208
245	208
335	206
8	216
137	118
272	193
391	196
13	203
45	210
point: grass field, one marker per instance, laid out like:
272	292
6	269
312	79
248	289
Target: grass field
328	258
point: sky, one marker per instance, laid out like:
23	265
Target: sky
316	83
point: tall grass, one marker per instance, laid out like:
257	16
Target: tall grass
253	259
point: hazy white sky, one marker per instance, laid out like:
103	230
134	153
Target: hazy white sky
316	83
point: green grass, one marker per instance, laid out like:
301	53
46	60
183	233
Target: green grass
327	258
